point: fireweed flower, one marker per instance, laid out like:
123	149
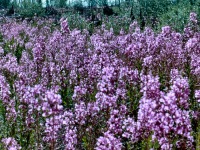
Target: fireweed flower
106	88
71	130
193	17
133	26
197	95
165	115
95	75
9	64
81	113
195	64
108	142
166	30
11	144
115	121
1	51
64	25
51	108
8	101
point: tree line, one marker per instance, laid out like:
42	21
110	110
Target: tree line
61	3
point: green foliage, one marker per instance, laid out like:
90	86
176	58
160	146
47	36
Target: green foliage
153	7
78	6
76	21
60	3
66	94
29	9
177	16
4	3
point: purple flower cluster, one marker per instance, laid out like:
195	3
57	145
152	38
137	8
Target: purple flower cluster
62	88
51	108
106	96
193	17
165	115
115	121
71	131
109	142
10	144
197	95
7	100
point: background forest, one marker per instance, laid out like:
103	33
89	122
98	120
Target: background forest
152	13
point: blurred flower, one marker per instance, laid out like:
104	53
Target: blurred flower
193	17
10	144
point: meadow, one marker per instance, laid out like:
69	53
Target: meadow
70	89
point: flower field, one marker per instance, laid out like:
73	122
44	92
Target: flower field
63	89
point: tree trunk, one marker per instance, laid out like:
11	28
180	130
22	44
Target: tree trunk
119	4
39	1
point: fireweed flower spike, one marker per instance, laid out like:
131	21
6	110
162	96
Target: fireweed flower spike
67	89
10	144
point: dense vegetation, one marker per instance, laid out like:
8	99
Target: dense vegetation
152	13
71	85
